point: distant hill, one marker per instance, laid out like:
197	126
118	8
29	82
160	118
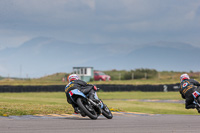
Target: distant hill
167	58
43	56
164	57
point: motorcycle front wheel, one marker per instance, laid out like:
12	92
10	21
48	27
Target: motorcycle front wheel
106	112
85	107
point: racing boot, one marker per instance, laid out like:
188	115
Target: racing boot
93	98
96	100
77	110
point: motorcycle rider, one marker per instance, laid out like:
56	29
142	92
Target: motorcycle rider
76	83
187	87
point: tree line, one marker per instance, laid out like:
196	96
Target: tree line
147	74
132	74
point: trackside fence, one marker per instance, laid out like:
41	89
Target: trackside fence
103	87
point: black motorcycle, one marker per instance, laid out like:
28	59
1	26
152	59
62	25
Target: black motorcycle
88	107
196	95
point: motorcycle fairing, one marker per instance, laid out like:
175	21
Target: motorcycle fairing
196	94
76	92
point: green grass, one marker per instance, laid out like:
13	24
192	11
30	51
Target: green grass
59	82
33	103
138	82
55	103
56	79
151	107
48	103
141	95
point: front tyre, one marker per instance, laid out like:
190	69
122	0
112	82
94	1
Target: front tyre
106	112
85	107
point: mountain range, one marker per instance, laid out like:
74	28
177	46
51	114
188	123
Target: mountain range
42	56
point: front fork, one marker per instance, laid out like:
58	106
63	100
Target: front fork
96	105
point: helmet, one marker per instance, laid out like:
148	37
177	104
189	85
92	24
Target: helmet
184	76
72	77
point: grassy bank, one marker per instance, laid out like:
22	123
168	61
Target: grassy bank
55	103
118	77
59	82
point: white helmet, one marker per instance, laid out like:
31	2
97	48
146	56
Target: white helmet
72	77
184	76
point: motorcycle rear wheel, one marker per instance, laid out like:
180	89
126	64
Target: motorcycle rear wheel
82	105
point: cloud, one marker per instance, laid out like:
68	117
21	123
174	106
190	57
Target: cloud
119	25
12	38
104	21
2	69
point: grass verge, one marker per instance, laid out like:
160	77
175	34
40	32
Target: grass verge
55	103
59	82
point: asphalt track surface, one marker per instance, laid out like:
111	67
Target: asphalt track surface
121	123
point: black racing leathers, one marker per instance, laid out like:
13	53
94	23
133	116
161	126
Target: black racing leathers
80	85
187	87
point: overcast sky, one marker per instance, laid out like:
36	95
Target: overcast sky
127	22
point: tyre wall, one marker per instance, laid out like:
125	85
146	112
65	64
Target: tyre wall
103	87
171	87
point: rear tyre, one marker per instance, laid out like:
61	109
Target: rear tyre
85	107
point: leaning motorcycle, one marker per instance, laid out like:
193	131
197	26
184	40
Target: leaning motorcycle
89	107
196	96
